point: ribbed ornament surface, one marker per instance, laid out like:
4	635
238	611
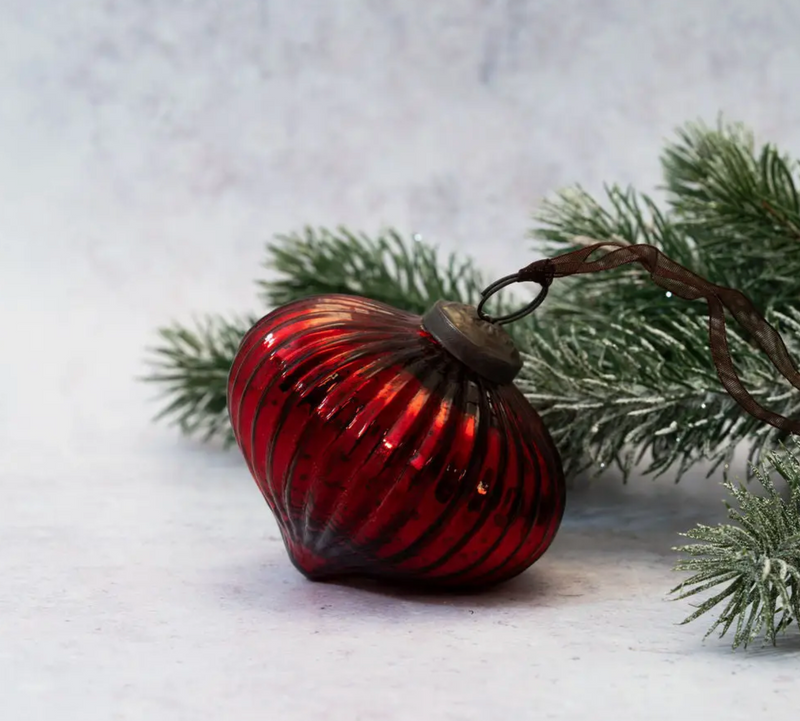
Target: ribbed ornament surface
382	455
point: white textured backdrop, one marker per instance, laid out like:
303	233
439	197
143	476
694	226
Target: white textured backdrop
148	149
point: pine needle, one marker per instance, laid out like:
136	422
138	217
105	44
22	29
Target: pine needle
402	273
756	561
191	365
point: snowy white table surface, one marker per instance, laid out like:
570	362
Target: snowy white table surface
142	577
147	152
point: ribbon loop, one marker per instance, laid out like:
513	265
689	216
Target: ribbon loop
682	282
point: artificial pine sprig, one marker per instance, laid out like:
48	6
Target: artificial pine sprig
388	268
732	215
611	403
741	205
191	366
613	391
191	363
756	558
574	218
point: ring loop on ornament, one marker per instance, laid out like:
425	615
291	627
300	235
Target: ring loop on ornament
496	287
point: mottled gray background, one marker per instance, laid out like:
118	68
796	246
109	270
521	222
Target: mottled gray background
148	149
195	130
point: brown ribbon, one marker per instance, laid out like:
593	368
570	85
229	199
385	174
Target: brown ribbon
682	282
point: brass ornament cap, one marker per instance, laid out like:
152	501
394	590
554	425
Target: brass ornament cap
480	345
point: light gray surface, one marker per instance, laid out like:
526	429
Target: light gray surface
147	150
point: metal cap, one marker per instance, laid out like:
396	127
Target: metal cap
482	346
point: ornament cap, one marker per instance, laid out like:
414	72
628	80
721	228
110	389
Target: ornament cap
480	345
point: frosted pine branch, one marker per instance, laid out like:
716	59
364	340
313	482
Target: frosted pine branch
755	560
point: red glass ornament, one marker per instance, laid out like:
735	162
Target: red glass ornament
383	455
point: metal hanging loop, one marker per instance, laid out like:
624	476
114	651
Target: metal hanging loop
504	282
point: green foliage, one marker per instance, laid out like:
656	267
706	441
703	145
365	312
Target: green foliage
732	214
190	365
574	218
611	403
615	391
403	274
756	559
741	206
633	365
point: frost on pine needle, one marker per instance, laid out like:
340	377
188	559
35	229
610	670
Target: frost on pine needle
755	559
